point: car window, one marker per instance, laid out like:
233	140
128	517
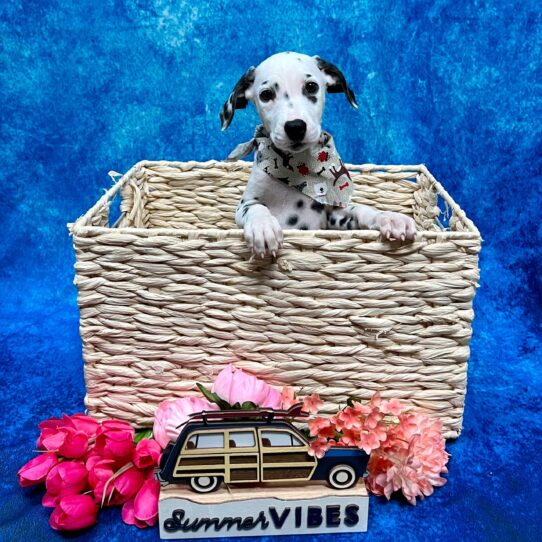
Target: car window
279	438
205	440
242	439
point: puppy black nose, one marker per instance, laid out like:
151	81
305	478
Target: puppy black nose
295	129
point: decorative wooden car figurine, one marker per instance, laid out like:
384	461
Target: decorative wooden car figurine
238	447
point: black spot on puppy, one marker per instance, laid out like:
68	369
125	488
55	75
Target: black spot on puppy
245	211
242	200
300	204
292	220
316	206
303	227
332	221
342	221
286	95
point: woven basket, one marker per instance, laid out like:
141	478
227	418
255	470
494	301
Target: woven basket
168	294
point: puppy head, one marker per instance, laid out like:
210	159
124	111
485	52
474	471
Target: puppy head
288	91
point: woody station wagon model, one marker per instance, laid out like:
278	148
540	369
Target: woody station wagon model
238	447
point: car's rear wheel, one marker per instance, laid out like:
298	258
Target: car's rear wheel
342	476
205	484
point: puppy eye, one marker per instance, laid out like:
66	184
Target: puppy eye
311	87
267	95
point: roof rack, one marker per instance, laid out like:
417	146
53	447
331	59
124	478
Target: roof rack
268	414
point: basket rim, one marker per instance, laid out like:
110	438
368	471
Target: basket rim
78	227
237	233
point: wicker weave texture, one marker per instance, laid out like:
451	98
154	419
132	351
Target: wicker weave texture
168	294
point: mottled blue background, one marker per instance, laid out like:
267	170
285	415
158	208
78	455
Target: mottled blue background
94	85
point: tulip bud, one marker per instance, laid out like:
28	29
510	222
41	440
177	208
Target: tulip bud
126	485
74	512
142	510
147	453
67	478
36	470
100	471
115	440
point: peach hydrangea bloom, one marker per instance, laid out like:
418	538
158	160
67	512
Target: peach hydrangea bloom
288	397
312	403
321	427
411	460
393	407
408	455
318	447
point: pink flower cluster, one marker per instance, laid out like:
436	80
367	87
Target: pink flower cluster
86	465
357	425
406	453
171	415
411	459
234	387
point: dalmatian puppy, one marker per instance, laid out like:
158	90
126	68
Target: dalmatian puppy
298	180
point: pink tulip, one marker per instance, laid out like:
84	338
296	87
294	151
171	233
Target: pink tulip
86	424
142	510
115	440
36	470
54	432
171	414
147	453
236	386
74	512
66	478
66	441
126	485
100	471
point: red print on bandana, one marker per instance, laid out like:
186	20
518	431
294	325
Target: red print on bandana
303	169
343	186
323	156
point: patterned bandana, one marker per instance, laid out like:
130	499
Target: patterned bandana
317	172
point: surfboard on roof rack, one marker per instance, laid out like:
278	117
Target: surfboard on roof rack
295	411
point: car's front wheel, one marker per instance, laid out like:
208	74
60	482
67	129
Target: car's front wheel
205	484
342	476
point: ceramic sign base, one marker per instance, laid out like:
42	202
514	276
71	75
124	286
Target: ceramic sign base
257	510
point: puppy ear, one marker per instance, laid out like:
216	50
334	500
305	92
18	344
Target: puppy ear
238	98
335	80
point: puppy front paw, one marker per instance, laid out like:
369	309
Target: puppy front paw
395	226
264	236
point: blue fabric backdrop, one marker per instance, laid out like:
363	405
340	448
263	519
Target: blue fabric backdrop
90	86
